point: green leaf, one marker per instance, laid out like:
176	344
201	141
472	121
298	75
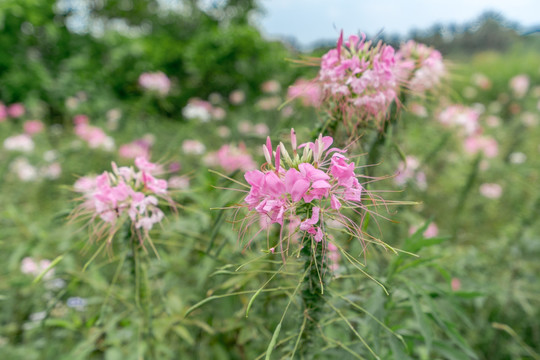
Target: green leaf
421	318
184	334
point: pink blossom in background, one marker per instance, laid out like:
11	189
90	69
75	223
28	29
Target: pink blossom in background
418	109
287	111
24	170
198	109
237	97
51	171
156	82
455	284
269	103
224	131
476	143
431	231
493	121
85	185
408	170
16	110
333	256
193	147
519	85
482	81
462	117
491	190
232	158
361	78
420	67
245	127
309	92
271	87
137	148
22	143
94	136
175	166
219	113
32	127
179	182
261	129
81	119
33	267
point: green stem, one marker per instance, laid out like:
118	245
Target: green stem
141	290
465	192
313	291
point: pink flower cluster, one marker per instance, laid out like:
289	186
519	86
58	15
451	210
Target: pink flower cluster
519	85
124	194
309	92
33	267
231	158
360	77
155	81
479	143
420	66
137	148
32	127
13	111
94	136
462	117
410	170
202	110
310	188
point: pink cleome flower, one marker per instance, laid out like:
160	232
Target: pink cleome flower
461	117
309	92
156	82
231	158
95	137
359	79
137	148
419	66
32	127
16	110
302	192
125	194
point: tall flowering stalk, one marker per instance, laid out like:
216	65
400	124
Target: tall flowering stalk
123	205
306	193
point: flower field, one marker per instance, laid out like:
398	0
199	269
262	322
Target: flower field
196	191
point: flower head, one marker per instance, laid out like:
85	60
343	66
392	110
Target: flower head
155	81
125	194
231	158
304	189
359	78
419	66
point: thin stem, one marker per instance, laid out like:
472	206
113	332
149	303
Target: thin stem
316	270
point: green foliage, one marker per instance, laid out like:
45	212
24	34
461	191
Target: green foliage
469	293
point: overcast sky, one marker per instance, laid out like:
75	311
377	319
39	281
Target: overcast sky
312	20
